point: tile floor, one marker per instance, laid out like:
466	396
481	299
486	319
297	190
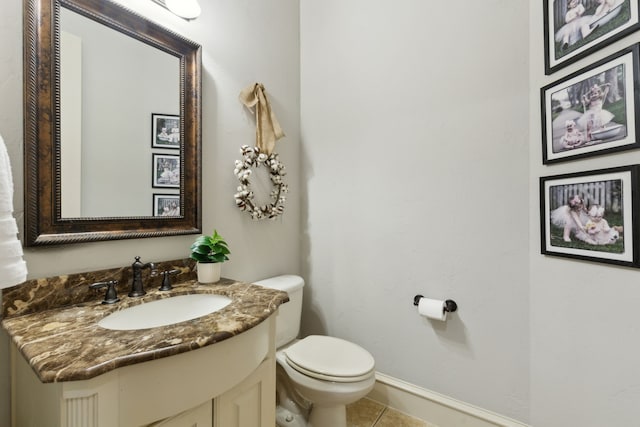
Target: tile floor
369	413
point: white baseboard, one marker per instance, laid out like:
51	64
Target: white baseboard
432	407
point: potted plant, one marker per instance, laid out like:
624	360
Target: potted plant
210	252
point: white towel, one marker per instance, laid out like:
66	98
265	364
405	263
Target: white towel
6	181
14	272
13	269
8	227
9	250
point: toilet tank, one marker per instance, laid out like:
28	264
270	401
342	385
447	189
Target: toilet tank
289	314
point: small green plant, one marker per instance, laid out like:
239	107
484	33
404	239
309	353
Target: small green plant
210	248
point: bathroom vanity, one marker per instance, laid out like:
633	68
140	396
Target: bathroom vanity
216	370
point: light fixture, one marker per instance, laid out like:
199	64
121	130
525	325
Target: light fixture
187	9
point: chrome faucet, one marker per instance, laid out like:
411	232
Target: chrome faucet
137	288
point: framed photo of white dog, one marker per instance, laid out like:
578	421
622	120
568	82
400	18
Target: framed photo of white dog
573	29
593	111
591	215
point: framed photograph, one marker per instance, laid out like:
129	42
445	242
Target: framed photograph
592	111
591	215
165	131
166	171
166	204
574	29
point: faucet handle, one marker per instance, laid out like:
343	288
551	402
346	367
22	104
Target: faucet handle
166	280
111	296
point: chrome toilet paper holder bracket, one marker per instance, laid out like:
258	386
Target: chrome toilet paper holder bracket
449	305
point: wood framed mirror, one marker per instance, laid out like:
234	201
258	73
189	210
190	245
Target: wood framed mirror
102	162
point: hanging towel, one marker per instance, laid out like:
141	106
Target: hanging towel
268	130
8	227
13	269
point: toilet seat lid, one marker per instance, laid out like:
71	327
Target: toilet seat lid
330	358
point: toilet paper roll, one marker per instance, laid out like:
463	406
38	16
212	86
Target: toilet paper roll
432	309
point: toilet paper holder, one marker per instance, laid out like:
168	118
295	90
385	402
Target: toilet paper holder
449	305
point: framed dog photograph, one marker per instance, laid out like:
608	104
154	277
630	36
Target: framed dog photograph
591	215
574	29
592	111
166	171
165	131
166	204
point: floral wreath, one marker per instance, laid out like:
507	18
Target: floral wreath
252	157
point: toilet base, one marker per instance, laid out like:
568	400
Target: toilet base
287	418
328	416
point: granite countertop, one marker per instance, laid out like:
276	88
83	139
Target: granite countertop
63	342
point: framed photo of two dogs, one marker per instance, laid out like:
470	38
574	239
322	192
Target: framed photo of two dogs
591	215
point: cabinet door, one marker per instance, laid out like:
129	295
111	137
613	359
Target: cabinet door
199	416
252	403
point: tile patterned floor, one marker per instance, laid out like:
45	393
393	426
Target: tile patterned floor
369	413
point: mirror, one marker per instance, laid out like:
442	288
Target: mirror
112	125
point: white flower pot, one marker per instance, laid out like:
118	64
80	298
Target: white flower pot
209	272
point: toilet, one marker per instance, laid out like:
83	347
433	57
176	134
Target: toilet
316	376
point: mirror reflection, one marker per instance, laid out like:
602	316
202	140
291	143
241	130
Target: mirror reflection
119	106
112	125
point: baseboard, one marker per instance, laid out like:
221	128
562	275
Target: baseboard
432	407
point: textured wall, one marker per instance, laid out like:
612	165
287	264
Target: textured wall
584	316
414	129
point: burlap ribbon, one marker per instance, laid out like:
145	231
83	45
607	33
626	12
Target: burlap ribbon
268	130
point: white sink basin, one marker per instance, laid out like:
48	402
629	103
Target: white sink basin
164	312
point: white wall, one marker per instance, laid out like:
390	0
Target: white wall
584	316
415	146
243	42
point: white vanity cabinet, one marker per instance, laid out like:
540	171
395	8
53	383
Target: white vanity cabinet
200	416
251	403
227	384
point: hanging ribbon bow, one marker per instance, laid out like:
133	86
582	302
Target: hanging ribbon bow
268	130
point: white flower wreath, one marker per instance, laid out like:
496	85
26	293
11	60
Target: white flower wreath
252	157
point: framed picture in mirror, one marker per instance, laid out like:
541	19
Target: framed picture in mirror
165	131
166	204
166	171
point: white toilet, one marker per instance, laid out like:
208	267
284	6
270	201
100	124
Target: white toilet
316	376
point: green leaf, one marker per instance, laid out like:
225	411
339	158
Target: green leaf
218	258
204	250
199	257
210	248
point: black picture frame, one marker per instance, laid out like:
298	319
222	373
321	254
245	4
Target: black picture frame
166	205
591	28
613	241
165	131
594	110
166	171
